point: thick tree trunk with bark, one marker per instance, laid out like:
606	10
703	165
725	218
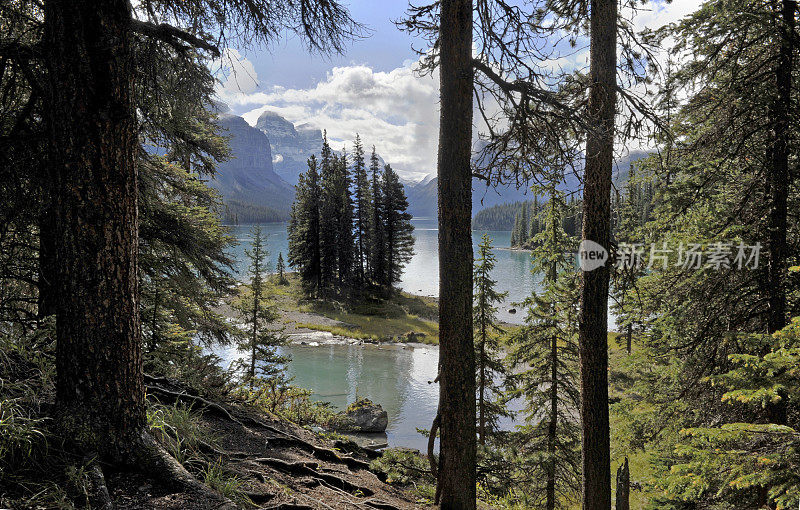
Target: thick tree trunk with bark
778	176
593	320
48	269
92	130
456	483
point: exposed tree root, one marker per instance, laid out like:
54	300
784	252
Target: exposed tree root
155	462
98	490
310	469
285	439
432	442
380	505
187	398
288	506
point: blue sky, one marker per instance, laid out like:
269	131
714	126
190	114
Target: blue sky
385	48
371	89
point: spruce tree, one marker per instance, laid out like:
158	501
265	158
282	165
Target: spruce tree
259	338
545	354
281	268
363	211
304	229
490	369
377	250
398	229
346	248
329	211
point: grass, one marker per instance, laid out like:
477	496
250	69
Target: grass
403	317
228	484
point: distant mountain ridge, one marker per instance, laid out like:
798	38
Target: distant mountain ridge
292	144
257	183
422	196
247	182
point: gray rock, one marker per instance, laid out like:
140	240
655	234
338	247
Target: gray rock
362	416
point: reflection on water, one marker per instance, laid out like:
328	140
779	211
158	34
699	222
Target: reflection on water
392	376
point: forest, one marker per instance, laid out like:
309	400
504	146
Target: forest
656	362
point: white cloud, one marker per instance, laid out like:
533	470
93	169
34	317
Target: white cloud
238	76
397	111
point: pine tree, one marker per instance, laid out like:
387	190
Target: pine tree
281	268
329	211
516	231
305	237
259	338
377	250
346	248
488	360
524	225
593	327
545	353
363	211
398	229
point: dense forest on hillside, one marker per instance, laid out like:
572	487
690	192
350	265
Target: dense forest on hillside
655	366
497	217
236	212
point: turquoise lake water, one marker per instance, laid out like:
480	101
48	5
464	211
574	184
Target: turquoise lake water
395	377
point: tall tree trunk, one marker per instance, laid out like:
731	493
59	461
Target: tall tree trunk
778	176
93	137
552	426
623	487
457	385
48	268
482	387
593	320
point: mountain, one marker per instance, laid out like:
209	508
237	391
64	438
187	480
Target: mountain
422	196
292	145
248	182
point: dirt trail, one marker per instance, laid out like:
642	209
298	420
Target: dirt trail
283	466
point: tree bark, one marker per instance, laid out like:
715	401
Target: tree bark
457	474
623	487
48	269
552	426
593	319
93	142
482	388
778	176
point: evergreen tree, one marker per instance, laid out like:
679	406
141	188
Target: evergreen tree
397	229
490	369
346	248
524	224
545	353
377	251
305	225
363	211
259	338
281	268
329	211
516	232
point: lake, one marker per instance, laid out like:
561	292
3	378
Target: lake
396	377
421	276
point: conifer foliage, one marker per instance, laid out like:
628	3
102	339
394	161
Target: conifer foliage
259	337
490	368
349	230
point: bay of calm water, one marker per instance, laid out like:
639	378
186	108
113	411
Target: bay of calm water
395	377
421	275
